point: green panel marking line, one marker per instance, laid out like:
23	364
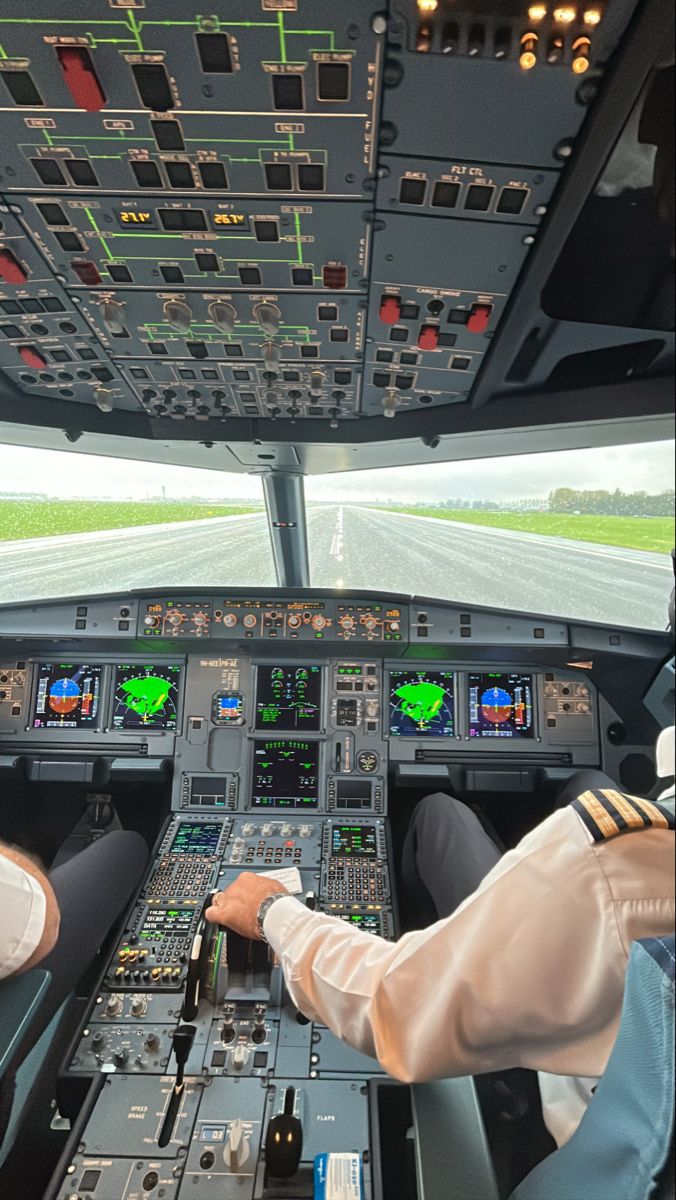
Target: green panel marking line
282	37
94	226
299	234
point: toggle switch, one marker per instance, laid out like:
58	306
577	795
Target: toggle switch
240	1057
317	381
428	338
11	270
479	318
224	316
32	357
271	357
390	310
268	317
178	314
81	78
112	315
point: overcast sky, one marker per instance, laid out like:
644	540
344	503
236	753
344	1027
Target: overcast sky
648	467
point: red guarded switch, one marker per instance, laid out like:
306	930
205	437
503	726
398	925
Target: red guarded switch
32	357
81	78
11	269
87	272
390	310
428	338
479	318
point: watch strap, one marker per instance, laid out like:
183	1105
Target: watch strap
263	909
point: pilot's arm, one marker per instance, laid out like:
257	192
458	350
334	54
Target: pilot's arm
529	971
29	913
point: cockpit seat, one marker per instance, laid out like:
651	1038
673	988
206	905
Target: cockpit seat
624	1145
23	1000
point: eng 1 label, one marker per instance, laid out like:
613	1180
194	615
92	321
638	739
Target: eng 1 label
338	1177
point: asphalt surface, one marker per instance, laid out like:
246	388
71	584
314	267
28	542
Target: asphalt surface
360	548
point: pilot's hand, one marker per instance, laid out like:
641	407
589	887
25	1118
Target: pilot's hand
237	907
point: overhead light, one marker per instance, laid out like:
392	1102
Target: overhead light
592	17
581	49
528	57
537	13
565	15
427	7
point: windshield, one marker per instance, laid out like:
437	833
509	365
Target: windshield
582	534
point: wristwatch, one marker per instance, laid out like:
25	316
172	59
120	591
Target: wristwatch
263	910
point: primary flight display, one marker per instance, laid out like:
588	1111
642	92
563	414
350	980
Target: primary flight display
501	706
67	696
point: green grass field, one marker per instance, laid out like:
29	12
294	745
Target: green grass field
634	533
45	518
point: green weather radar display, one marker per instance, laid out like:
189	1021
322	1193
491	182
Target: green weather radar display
421	704
146	696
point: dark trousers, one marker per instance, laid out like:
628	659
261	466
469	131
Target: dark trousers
92	889
447	852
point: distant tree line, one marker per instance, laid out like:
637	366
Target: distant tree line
612	504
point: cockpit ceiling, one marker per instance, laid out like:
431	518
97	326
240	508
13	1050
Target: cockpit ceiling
337	230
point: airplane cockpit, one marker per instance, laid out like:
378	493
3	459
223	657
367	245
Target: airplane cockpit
308	546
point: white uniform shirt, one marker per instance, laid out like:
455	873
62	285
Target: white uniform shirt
528	972
22	916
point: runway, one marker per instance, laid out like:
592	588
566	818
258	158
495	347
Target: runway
355	547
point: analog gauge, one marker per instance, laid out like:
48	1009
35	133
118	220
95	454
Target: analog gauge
367	761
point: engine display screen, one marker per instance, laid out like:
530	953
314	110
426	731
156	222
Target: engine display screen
354	841
285	775
501	706
145	696
422	704
289	698
67	696
193	838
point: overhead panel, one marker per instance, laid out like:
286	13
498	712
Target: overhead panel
287	209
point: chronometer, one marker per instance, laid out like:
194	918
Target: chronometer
263	909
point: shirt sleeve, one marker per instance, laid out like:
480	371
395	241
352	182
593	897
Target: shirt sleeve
529	971
23	907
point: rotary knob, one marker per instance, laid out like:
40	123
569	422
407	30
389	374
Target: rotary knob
346	622
319	622
139	1007
250	621
394	626
294	622
112	315
370	623
268	316
224	316
114	1006
151	622
248	829
200	619
178	314
266	830
229	620
175	619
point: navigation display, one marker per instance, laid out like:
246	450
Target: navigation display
285	774
501	706
354	841
421	704
196	839
289	698
67	696
145	696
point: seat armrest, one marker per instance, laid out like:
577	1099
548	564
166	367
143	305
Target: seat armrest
453	1160
21	1001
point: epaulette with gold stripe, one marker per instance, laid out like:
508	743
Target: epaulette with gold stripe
608	813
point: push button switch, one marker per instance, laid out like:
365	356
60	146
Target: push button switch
390	310
428	338
479	318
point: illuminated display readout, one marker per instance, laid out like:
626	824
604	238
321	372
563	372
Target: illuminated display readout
354	841
501	706
161	923
130	218
193	838
67	696
237	219
289	698
145	696
285	775
421	704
